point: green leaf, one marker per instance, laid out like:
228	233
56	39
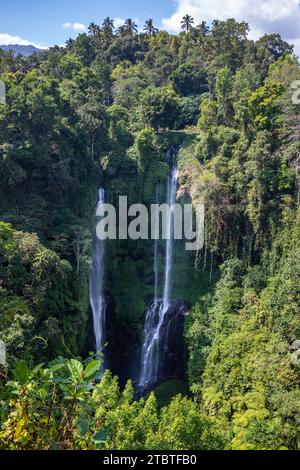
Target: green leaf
100	436
83	428
66	388
37	368
21	372
75	368
91	369
43	393
56	367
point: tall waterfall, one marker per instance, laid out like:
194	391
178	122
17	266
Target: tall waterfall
156	329
172	186
96	285
156	254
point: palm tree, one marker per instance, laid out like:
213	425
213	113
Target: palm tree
121	30
70	43
93	29
203	28
187	23
149	27
108	27
215	24
130	26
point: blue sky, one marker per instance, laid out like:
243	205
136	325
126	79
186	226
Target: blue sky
41	22
49	22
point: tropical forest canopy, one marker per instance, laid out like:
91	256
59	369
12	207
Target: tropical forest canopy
106	108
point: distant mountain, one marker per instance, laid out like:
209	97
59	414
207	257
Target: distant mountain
17	49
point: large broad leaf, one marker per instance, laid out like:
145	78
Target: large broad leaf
37	368
56	367
100	436
83	428
66	388
75	368
21	372
91	369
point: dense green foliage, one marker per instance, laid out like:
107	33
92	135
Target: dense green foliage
58	408
106	108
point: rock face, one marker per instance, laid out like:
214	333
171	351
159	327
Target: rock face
295	345
295	356
171	347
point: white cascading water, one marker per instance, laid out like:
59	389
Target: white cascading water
156	255
172	187
96	285
157	310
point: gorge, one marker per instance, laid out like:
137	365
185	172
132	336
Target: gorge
198	345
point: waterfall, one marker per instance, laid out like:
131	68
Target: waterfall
156	254
156	332
172	186
96	285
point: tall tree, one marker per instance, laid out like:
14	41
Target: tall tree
187	23
93	29
203	28
149	27
108	27
70	43
130	27
121	31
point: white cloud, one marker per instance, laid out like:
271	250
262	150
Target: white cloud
118	22
6	39
263	16
79	27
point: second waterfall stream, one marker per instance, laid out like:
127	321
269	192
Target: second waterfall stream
97	299
156	329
